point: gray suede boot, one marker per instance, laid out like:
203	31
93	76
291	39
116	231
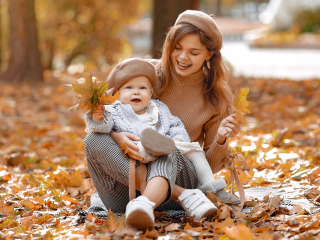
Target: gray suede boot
217	187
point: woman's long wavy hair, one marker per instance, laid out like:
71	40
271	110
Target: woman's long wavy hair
213	86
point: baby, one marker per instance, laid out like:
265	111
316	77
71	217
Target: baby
160	132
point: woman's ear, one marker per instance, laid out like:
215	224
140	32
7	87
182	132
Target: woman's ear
209	55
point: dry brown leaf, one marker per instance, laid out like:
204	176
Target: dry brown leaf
297	209
239	214
275	202
39	200
5	175
238	232
224	212
113	223
188	227
5	208
266	236
26	222
151	234
27	203
172	227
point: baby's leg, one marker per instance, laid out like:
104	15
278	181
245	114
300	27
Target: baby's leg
200	163
204	173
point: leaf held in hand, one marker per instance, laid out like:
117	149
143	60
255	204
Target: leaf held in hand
242	105
91	93
124	148
107	100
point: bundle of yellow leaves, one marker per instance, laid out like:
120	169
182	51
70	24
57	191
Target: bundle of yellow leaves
91	93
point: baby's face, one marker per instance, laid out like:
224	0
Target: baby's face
137	92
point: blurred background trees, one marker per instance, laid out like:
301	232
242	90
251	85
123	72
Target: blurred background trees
94	34
165	13
67	29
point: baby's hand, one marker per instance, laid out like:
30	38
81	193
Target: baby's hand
98	114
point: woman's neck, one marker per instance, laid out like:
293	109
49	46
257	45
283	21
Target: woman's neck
189	80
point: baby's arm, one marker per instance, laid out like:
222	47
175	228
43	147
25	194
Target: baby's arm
100	121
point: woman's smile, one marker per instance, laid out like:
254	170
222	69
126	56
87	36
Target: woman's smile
183	66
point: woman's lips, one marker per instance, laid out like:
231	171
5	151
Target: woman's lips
182	67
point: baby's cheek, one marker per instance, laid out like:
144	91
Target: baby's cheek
124	99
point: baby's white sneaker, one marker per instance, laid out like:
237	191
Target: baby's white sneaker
139	213
195	203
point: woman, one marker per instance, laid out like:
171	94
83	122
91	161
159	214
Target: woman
192	82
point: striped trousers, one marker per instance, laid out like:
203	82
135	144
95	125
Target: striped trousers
109	171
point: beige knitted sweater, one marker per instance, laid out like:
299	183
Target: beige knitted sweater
185	99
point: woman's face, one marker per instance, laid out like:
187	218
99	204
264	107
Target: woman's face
189	55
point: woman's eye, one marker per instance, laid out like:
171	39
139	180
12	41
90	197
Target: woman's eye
194	54
177	48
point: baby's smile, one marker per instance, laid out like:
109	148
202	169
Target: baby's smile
136	100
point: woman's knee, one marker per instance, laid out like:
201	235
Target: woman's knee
94	139
96	144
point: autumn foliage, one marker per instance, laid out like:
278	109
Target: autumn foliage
91	93
45	182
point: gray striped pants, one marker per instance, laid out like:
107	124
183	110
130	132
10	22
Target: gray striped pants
109	171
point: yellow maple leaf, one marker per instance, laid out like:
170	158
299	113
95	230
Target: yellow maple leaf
113	223
76	179
238	232
109	99
91	93
66	198
124	148
242	105
6	208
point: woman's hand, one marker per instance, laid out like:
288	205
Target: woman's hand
98	114
124	138
229	127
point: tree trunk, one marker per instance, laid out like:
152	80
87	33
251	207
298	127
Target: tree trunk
24	64
0	36
218	8
165	14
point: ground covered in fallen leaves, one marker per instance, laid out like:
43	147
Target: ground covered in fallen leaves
45	182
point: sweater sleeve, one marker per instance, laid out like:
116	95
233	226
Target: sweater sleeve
176	128
216	152
103	125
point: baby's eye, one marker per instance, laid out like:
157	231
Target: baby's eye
143	88
128	87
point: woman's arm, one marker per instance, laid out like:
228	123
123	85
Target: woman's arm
217	131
